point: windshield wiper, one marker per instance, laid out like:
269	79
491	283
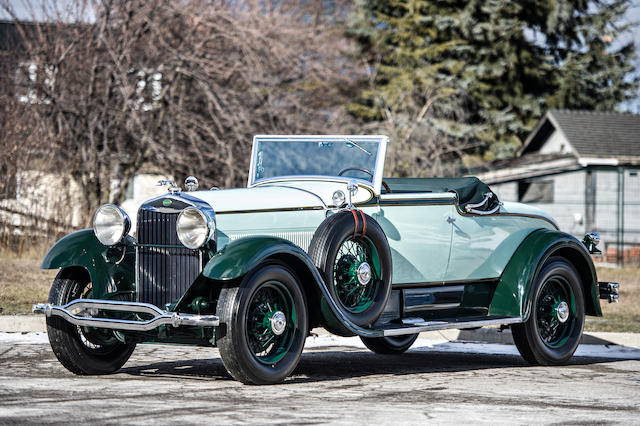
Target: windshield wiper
352	144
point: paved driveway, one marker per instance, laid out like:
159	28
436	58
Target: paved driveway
337	381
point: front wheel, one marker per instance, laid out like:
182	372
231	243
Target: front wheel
552	333
390	345
265	325
82	350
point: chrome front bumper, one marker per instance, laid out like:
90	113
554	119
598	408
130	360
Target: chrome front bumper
84	312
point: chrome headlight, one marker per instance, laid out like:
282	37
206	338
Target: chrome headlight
110	224
194	228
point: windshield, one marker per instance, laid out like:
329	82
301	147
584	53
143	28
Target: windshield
344	156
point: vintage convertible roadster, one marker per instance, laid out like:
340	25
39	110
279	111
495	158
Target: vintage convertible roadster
317	239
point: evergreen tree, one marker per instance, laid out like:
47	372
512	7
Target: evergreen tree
487	70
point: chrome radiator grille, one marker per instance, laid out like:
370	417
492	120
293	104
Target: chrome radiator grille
165	269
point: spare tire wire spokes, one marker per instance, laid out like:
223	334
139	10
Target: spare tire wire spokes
355	274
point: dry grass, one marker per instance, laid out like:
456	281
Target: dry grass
22	283
625	315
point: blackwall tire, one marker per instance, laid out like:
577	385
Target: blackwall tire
82	350
552	333
339	248
246	312
390	345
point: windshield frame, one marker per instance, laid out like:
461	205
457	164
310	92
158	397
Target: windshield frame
375	184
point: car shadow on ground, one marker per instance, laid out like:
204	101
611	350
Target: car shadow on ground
330	365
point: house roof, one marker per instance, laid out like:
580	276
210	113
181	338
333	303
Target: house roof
530	165
590	133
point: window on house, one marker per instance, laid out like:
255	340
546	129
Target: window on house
28	75
130	193
8	182
148	90
535	191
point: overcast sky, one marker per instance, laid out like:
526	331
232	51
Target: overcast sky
25	9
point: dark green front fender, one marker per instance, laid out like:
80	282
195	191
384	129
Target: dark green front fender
111	269
242	255
514	290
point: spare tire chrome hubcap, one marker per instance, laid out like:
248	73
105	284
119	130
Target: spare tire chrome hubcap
278	323
364	273
562	312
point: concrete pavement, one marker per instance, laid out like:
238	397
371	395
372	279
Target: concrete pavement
336	382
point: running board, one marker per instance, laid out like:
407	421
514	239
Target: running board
418	325
84	313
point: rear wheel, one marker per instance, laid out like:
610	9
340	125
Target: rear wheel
82	350
389	344
266	323
552	333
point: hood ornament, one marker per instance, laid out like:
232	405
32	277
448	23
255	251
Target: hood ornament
173	188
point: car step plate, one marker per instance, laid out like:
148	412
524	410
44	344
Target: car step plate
418	325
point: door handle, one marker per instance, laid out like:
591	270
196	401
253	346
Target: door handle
451	219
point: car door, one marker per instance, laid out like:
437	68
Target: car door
482	245
418	233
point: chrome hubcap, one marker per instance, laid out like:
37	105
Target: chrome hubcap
278	323
364	273
562	312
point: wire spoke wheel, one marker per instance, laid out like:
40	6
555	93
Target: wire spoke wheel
270	322
556	311
265	325
356	274
82	350
551	334
352	254
94	339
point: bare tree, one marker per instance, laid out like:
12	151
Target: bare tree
180	85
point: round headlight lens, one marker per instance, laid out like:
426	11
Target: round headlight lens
110	224
193	228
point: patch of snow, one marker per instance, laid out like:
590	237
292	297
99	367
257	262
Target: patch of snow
38	338
421	345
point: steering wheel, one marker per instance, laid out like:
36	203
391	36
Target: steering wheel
360	169
367	171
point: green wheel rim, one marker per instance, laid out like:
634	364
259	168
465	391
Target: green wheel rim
555	291
353	252
266	346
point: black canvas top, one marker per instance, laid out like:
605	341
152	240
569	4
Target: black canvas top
470	190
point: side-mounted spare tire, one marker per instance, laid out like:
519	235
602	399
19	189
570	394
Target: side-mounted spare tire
352	253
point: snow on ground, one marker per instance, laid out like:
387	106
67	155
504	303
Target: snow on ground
421	345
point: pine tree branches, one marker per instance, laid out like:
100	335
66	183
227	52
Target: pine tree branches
493	67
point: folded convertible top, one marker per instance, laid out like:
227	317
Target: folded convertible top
470	190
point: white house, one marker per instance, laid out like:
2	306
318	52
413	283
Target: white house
582	167
36	202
